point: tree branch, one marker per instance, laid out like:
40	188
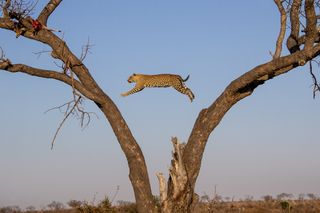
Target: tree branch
47	10
138	169
60	51
283	22
311	28
238	89
292	41
6	23
5	8
6	65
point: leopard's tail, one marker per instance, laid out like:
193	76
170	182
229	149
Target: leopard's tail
184	80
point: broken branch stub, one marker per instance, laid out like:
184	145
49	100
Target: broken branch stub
177	171
178	179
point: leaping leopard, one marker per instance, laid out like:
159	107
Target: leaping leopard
160	80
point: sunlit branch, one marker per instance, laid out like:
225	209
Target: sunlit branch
6	65
311	28
292	41
283	22
47	10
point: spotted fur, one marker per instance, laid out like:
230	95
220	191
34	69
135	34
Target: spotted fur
160	80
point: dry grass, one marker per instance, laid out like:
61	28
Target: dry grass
208	206
273	206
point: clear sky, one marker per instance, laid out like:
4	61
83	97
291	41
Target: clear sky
266	144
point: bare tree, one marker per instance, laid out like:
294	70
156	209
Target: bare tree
284	195
56	206
10	209
267	198
30	209
312	196
74	204
177	193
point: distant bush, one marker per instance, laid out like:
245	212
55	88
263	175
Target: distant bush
10	209
74	203
30	209
267	198
55	206
103	206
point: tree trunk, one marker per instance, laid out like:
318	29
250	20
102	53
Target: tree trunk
138	173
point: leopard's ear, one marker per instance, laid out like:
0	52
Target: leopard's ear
134	74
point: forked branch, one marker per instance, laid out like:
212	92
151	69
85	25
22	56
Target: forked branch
74	108
238	89
68	113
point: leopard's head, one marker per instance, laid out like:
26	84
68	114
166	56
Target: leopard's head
133	78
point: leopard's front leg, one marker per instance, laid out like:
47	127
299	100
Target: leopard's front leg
132	91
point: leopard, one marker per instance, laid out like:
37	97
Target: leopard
159	80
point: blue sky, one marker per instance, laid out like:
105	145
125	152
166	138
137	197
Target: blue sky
266	144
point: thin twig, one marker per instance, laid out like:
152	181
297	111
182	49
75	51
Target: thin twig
59	107
5	63
2	55
85	50
73	107
316	86
20	8
115	194
65	118
38	54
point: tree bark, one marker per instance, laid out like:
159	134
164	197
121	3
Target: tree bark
138	170
292	41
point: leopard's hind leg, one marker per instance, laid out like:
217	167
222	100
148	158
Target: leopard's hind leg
184	90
